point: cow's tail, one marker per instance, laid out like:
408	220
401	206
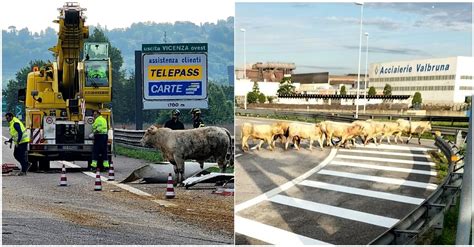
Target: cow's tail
230	150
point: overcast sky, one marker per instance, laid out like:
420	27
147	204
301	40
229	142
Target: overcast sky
321	37
37	15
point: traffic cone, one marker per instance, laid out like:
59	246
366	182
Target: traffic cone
63	181
98	182
170	188
111	172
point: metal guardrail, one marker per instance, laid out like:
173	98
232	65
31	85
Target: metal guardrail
129	137
430	214
350	118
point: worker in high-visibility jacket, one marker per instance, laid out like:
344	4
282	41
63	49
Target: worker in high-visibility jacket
99	129
20	137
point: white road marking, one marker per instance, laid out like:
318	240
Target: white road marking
238	155
363	192
285	186
385	153
6	139
385	168
335	211
104	179
394	147
386	180
272	235
411	162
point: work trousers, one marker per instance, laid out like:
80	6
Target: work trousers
21	155
100	147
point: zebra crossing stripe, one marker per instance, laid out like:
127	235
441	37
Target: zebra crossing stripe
384	153
394	147
272	235
428	186
363	192
411	162
335	211
385	168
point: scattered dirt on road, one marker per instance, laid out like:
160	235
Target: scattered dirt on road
203	208
82	217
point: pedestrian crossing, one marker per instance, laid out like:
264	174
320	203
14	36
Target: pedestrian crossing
343	194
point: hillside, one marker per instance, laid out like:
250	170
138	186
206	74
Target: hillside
21	46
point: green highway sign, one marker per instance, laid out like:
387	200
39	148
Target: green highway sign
175	48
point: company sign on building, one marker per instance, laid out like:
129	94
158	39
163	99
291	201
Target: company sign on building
175	76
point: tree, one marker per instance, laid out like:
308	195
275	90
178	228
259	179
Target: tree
372	91
10	93
255	88
262	98
286	87
270	99
343	90
468	100
387	90
252	97
416	101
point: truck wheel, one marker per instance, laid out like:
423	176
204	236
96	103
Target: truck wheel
44	165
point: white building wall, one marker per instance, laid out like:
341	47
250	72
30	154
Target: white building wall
437	79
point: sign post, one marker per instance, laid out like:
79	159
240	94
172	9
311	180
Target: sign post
174	76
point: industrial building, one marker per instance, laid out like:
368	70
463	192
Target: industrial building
439	80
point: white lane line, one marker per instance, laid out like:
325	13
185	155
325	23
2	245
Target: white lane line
238	155
394	147
386	180
385	168
272	235
104	179
6	139
286	185
363	192
411	162
384	153
335	211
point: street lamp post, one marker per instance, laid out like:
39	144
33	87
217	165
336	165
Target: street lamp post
366	64
245	62
360	51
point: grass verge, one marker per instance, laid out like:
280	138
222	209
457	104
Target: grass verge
153	156
448	236
442	165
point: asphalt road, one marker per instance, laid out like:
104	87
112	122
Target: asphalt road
36	211
330	197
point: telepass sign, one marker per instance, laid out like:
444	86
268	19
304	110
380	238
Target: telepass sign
174	76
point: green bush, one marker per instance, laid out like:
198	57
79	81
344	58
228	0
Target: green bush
252	97
343	90
372	91
387	90
262	98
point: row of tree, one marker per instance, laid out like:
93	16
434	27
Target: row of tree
220	95
19	46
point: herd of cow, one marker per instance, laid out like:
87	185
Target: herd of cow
327	130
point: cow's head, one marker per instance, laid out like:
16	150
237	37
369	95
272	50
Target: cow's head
149	136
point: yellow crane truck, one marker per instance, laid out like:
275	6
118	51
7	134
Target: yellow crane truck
60	97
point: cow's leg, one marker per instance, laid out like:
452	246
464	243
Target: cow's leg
419	138
296	144
180	169
245	145
260	144
329	140
270	142
409	138
287	142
